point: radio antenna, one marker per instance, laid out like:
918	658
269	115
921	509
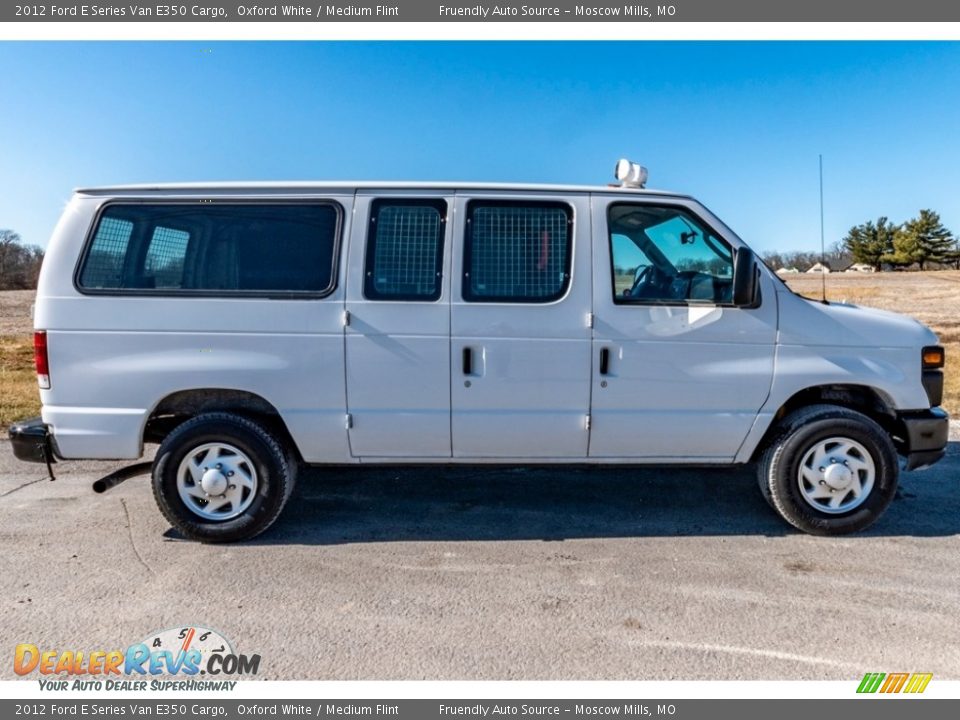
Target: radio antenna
823	251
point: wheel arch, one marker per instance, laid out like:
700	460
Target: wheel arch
871	401
178	407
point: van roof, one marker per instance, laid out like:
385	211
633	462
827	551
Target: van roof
350	186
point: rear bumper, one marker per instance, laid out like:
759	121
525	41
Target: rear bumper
31	441
925	437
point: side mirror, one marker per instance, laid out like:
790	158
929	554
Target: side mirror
746	277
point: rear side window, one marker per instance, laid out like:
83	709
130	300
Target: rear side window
104	264
517	251
404	258
206	248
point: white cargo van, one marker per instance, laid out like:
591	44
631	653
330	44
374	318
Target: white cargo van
252	328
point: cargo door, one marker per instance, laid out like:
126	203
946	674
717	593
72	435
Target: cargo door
520	335
397	342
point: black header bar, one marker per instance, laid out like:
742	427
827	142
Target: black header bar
737	11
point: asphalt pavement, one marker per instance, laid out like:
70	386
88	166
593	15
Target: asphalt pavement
500	573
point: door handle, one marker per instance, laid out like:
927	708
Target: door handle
467	361
604	361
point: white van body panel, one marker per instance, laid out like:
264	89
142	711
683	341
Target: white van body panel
836	344
117	358
397	356
528	395
684	381
687	382
824	344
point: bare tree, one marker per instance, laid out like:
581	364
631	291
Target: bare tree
19	263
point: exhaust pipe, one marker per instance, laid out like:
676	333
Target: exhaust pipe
118	476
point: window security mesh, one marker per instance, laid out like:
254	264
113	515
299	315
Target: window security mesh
165	256
518	253
214	248
406	253
104	265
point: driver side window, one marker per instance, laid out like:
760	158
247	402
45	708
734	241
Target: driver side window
664	254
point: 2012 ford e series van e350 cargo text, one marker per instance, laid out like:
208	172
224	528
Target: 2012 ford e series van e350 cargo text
252	328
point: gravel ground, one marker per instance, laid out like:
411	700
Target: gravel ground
496	574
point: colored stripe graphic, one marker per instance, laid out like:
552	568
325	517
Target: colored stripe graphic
870	682
918	682
188	640
894	682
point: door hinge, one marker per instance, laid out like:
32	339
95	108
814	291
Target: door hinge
589	320
587	423
346	318
349	422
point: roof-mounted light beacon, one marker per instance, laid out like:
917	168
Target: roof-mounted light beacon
630	174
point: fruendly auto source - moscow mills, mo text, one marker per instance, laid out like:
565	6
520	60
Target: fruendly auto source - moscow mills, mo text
290	11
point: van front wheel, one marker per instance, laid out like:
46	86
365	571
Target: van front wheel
220	477
829	470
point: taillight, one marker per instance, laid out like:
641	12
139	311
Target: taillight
40	359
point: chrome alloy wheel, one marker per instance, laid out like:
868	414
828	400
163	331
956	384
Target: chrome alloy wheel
836	475
216	481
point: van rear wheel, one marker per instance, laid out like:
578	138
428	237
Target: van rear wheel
829	470
221	477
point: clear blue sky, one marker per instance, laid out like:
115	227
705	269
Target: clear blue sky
738	124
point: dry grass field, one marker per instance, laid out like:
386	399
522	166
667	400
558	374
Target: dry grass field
19	397
931	297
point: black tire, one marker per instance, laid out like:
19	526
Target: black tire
779	468
275	470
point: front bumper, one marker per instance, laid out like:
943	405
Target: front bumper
925	437
32	442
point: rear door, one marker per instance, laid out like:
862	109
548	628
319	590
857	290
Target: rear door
520	345
398	326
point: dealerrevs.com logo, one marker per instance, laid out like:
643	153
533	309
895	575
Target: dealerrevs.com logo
173	659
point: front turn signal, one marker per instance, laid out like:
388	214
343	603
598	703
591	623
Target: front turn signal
933	357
